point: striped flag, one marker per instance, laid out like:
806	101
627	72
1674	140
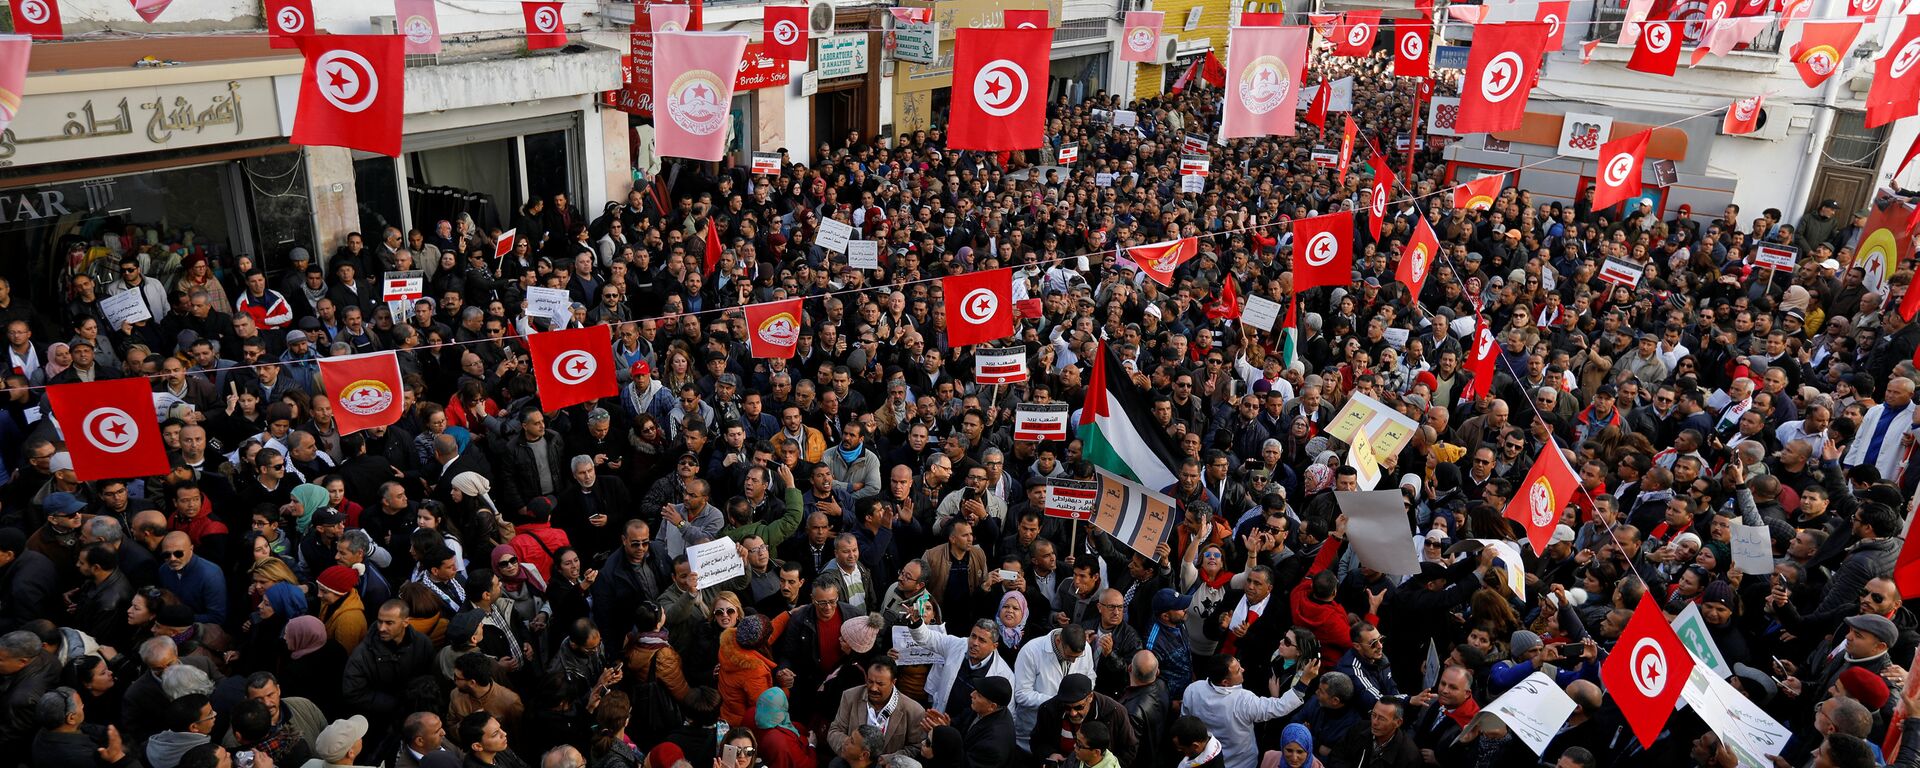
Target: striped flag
1116	430
1137	517
1290	334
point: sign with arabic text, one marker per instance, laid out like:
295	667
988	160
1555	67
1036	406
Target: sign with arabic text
843	56
58	127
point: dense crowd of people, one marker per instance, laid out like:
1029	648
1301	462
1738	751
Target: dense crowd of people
489	583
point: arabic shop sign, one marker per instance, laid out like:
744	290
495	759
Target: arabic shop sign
58	127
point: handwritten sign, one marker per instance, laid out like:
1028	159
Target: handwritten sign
1194	184
1260	312
1745	728
1138	518
715	562
1040	421
1125	118
833	235
1103	179
863	254
1072	499
913	652
1396	337
1533	710
551	303
125	307
1753	548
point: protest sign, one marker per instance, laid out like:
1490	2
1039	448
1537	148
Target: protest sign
1040	421
715	562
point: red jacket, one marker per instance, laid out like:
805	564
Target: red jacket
530	551
1328	621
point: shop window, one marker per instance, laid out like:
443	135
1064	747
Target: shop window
376	192
282	209
549	166
480	179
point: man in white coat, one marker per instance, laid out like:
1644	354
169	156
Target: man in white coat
1880	441
1231	712
963	662
1038	670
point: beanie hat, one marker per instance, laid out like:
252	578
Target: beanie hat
176	615
751	631
339	579
1166	600
859	632
1719	592
1865	687
1523	641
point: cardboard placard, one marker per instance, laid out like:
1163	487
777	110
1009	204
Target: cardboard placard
1006	365
1621	272
1388	429
125	307
1072	499
503	244
833	235
1779	258
1193	144
716	562
1377	527
1138	518
1752	548
1040	421
1260	312
1692	629
1195	165
863	254
1069	153
1533	710
767	163
1125	118
552	303
403	285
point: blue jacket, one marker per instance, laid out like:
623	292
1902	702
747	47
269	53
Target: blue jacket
1176	657
200	586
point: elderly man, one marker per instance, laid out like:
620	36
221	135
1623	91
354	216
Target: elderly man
195	580
1042	664
878	701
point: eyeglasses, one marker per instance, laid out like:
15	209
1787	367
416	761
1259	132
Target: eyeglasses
638	544
1210	556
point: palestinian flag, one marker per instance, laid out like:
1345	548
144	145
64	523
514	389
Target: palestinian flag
1116	430
1290	335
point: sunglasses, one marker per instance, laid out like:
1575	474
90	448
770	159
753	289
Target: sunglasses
508	561
176	554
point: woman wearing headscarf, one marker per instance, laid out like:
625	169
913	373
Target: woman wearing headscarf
311	498
781	744
263	640
522	585
311	666
945	748
1296	747
58	359
1010	623
474	513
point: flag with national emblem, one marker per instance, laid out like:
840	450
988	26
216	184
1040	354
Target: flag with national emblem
365	390
774	327
573	365
978	306
1000	86
351	93
110	428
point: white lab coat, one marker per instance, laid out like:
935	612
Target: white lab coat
953	655
1036	678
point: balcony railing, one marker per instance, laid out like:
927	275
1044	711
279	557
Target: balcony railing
1608	15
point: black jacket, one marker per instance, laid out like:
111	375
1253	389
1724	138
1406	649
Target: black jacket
618	590
799	650
519	480
28	589
102	607
989	741
1147	709
20	693
1104	710
76	749
376	675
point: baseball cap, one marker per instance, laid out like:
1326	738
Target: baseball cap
63	504
1561	535
338	739
641	368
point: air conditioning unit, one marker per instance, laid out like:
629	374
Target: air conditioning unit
820	18
385	25
1168	51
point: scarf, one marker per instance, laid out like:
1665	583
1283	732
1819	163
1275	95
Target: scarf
524	574
773	711
312	498
851	456
456	598
1010	637
1207	754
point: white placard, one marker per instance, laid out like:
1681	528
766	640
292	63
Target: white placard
863	254
715	562
1125	118
1194	184
1533	710
1396	337
1463	327
1509	553
125	307
1692	629
1377	526
833	235
1753	548
1260	312
1582	134
403	285
1746	729
1037	421
809	83
912	653
551	303
1103	179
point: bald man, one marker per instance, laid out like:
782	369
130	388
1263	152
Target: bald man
196	581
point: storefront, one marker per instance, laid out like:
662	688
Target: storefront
162	163
848	67
1081	60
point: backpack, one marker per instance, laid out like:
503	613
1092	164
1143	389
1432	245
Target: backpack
655	713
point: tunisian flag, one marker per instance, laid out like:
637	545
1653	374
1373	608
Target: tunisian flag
1382	188
785	32
1485	352
1647	670
1540	499
1317	111
365	390
979	305
1554	14
1410	49
1416	260
1142	35
1000	86
545	29
1017	19
1896	81
773	328
1823	45
39	19
1620	162
1500	71
1159	260
351	93
1658	50
1266	66
1479	194
286	20
693	75
1743	116
1227	305
1354	36
110	428
573	365
1323	251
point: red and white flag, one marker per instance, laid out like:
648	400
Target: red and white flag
110	428
1539	501
1479	194
365	390
1007	365
1865	9
39	19
1823	45
1324	23
1416	260
1647	670
1618	178
773	328
979	305
1586	50
1485	353
1501	67
1323	251
288	20
1142	36
669	17
784	27
1347	136
573	366
1913	151
1724	35
1024	19
1381	189
1159	260
1000	82
1410	49
1469	14
1658	50
1354	37
419	24
1264	68
1553	13
503	244
1896	81
693	76
150	9
1226	306
351	93
1317	111
1743	116
545	27
14	52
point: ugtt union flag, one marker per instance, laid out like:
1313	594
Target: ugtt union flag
693	74
1265	66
